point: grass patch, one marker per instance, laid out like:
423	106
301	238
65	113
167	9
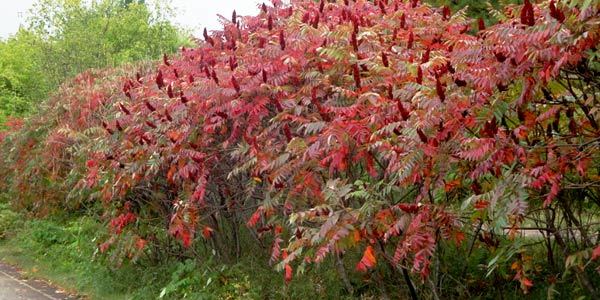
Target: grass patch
64	256
64	252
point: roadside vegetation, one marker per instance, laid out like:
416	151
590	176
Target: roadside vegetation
324	149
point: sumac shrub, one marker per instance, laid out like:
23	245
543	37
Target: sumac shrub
383	126
44	156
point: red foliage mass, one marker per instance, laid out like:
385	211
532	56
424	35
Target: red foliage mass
330	130
301	107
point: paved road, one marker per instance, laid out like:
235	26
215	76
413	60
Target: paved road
14	287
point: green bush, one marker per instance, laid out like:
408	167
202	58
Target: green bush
47	234
64	38
9	220
475	8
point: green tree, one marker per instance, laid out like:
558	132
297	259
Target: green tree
475	8
21	75
104	33
63	38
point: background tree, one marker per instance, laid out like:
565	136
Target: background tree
475	8
63	38
21	76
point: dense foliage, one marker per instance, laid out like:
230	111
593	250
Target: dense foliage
391	128
476	9
64	38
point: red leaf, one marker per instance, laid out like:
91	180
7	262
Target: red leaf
186	238
481	204
596	253
104	247
527	282
276	250
368	260
255	217
91	163
140	244
554	190
288	273
207	232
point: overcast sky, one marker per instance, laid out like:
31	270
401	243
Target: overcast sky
193	14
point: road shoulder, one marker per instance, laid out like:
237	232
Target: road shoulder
13	285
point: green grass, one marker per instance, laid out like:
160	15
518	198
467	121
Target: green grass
65	253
